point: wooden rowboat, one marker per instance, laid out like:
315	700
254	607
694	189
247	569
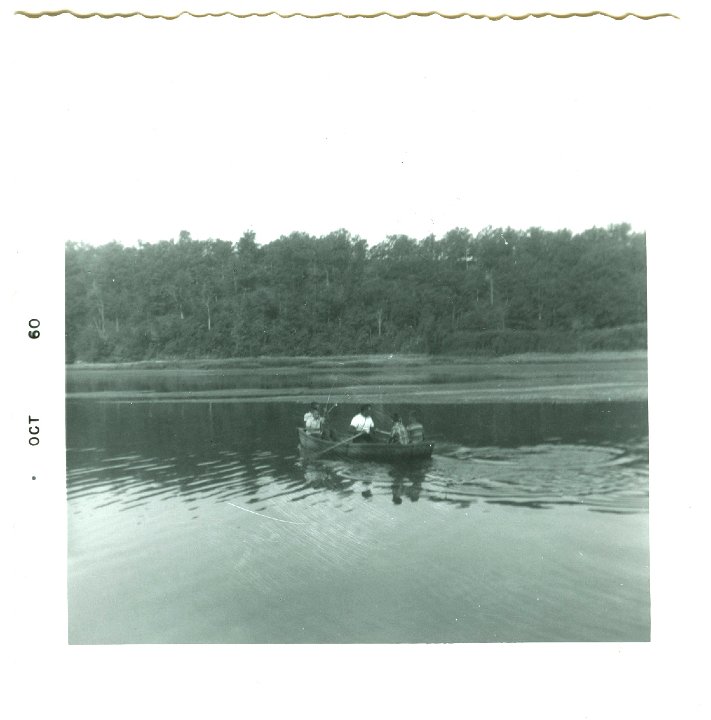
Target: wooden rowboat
376	450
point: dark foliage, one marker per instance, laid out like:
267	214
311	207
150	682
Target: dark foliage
500	292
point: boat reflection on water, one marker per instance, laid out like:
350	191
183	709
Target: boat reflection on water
369	479
407	481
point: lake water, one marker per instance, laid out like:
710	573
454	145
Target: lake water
199	522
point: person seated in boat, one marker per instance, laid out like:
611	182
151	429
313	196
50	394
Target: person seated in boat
314	422
363	425
414	429
398	433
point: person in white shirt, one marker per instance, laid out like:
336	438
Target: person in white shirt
363	424
313	422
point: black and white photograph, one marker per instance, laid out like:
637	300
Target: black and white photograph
348	332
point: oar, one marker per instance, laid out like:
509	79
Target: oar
338	444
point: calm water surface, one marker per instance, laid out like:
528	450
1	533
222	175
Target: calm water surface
199	522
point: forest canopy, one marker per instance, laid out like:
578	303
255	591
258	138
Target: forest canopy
500	291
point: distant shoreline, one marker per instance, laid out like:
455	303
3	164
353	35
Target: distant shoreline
365	360
406	379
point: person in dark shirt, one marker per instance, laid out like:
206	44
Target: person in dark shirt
414	428
399	434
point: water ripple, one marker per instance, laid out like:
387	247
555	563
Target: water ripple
602	479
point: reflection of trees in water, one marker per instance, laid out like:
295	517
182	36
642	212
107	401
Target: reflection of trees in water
510	425
184	448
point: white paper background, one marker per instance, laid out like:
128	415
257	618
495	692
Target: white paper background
133	129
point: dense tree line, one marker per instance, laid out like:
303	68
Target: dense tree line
502	290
